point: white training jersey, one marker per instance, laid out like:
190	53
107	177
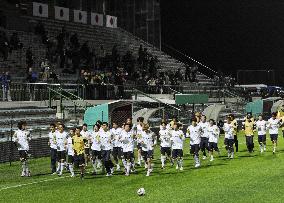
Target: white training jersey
115	133
204	129
86	135
165	138
127	141
177	138
22	138
194	133
52	140
261	127
70	150
229	131
105	138
61	140
147	141
95	140
273	125
138	133
213	132
168	127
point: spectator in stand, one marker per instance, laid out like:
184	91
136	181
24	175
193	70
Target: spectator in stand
5	80
153	66
178	75
115	57
45	69
118	82
101	57
145	58
187	73
39	29
74	41
4	45
85	55
193	73
140	56
32	78
15	43
29	57
128	63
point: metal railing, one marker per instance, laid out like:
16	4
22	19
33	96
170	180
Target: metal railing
209	72
41	91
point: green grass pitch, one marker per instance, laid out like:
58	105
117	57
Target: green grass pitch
256	178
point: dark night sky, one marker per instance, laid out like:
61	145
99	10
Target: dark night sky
227	34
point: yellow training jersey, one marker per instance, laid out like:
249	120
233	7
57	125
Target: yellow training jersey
78	145
248	128
235	126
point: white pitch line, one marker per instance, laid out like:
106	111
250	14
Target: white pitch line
32	183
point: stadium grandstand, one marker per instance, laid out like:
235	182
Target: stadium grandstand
94	63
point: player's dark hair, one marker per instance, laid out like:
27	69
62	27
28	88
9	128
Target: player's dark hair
85	124
130	125
99	122
98	126
203	116
63	126
78	127
21	123
163	122
214	123
114	122
52	124
232	116
140	119
274	114
105	123
193	119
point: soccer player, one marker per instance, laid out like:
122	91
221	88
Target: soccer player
61	138
273	125
261	131
229	137
106	146
177	138
127	139
194	133
53	147
249	128
204	135
213	132
86	135
235	126
79	150
165	139
70	151
147	143
117	145
96	147
139	131
21	138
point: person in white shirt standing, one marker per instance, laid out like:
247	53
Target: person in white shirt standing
106	146
261	131
194	133
70	152
117	145
21	138
96	148
61	139
127	138
86	135
147	144
204	135
165	139
53	147
213	132
177	138
229	137
273	125
139	131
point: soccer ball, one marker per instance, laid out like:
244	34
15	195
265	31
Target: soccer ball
141	191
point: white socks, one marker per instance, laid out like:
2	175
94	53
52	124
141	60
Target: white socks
71	169
61	168
163	159
128	165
